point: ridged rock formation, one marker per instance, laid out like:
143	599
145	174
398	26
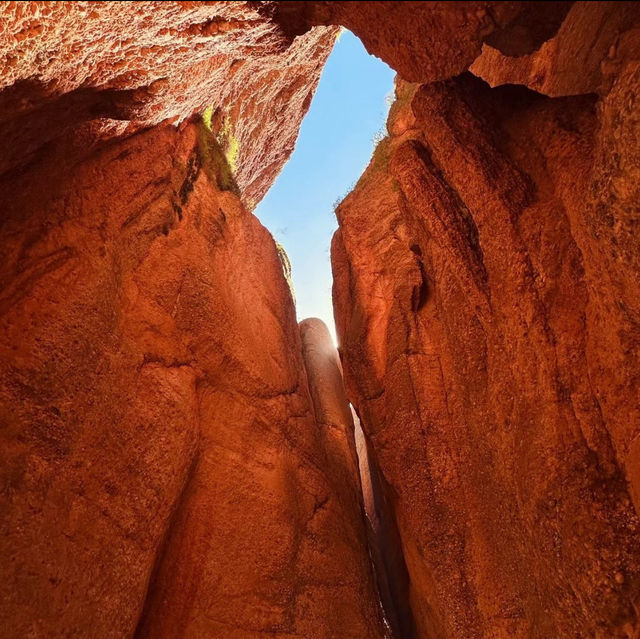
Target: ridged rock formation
177	455
486	297
163	471
384	543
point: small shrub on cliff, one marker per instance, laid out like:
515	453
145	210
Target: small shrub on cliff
212	158
286	268
224	137
378	136
207	114
229	143
338	201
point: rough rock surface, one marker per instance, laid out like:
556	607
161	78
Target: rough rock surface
336	431
486	298
384	543
333	414
427	41
594	39
96	70
147	448
177	459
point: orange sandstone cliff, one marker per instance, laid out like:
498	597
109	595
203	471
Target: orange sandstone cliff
177	454
163	470
97	70
486	285
162	466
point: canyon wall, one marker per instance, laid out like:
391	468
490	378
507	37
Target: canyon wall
486	298
159	441
177	454
166	469
95	71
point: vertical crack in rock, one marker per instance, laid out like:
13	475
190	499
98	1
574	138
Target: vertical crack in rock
384	543
335	432
181	502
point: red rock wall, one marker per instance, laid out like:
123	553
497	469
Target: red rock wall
428	41
95	71
586	51
158	438
485	292
178	461
384	543
165	469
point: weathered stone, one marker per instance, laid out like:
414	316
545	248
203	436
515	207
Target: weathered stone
177	454
384	543
94	71
427	41
493	361
593	41
148	451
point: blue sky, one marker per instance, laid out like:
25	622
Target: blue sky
333	149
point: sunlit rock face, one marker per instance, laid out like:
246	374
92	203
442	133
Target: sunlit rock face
94	71
163	466
163	471
486	284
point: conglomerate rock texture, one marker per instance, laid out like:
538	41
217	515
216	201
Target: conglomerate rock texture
97	70
177	455
486	297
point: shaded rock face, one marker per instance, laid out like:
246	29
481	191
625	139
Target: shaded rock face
93	71
150	453
384	543
485	292
427	41
582	57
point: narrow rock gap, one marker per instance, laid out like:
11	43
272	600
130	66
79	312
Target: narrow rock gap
345	121
175	442
385	548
